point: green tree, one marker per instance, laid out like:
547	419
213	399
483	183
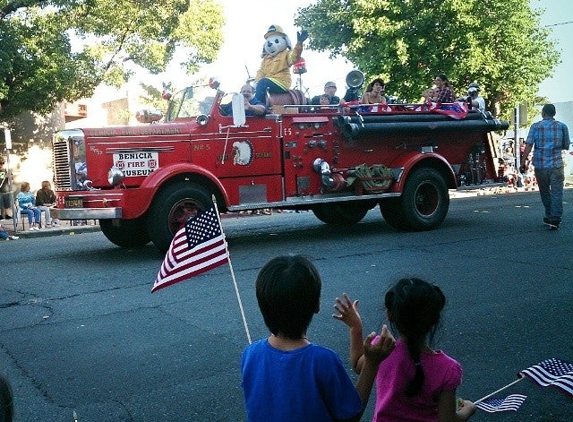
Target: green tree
55	50
498	43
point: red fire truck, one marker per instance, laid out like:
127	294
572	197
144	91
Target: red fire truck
142	182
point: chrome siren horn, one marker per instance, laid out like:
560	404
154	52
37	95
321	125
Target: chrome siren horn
355	79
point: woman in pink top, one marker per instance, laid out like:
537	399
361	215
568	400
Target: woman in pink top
414	383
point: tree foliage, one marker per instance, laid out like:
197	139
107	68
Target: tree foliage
498	43
55	50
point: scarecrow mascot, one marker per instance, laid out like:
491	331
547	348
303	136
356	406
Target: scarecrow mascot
274	74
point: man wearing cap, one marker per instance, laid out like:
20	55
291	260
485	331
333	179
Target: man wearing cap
274	74
330	90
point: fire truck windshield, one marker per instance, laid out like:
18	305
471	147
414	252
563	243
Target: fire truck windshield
190	102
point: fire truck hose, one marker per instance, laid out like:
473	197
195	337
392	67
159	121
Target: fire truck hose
376	178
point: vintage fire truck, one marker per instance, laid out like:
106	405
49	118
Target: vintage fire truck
142	182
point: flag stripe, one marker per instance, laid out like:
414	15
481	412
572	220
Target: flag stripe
196	265
197	247
510	403
552	372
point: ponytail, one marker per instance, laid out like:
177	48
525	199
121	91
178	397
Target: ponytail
414	307
415	384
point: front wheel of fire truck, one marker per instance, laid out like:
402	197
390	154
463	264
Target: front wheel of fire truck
343	213
125	233
171	208
424	203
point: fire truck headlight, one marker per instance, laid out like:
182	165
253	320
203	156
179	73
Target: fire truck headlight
115	176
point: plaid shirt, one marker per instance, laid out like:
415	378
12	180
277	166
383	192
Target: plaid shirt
548	137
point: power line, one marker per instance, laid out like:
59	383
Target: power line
559	24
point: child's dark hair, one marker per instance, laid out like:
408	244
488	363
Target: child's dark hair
288	293
414	308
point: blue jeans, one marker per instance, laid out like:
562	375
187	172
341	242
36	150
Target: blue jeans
550	182
263	85
32	213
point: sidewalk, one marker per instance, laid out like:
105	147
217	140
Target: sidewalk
65	228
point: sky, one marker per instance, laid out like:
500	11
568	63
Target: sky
248	20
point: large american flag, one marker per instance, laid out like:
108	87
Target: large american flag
492	404
197	247
554	372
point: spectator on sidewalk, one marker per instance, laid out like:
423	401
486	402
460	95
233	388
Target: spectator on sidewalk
27	205
5	204
4	235
45	199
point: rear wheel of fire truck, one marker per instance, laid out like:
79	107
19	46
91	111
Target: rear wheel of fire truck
425	201
171	208
126	233
343	213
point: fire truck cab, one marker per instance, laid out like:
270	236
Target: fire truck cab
143	182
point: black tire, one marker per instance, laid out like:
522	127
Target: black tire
391	209
342	213
126	233
425	200
171	207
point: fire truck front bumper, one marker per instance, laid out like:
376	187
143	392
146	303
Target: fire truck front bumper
86	213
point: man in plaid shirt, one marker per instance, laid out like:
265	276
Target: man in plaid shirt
548	138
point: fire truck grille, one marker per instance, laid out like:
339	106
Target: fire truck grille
67	148
62	169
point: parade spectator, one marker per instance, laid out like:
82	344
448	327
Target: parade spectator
5	204
375	93
548	138
27	205
45	199
285	376
445	91
416	382
4	235
330	91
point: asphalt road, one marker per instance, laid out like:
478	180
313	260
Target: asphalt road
81	332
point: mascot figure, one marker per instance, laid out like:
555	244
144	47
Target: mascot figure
274	74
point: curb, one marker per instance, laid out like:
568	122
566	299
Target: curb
58	231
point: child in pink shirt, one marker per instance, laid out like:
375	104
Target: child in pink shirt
414	383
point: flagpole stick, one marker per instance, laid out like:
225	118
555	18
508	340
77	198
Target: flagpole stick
497	391
233	276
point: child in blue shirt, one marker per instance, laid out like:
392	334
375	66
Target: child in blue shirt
285	376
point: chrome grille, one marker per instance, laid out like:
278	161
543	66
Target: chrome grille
63	158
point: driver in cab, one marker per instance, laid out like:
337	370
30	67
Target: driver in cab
253	107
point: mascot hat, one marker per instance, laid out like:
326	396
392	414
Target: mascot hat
274	30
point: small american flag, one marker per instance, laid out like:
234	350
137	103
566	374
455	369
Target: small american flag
492	404
554	372
197	247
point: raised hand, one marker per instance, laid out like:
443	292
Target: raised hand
302	36
347	311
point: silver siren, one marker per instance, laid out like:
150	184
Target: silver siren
355	79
